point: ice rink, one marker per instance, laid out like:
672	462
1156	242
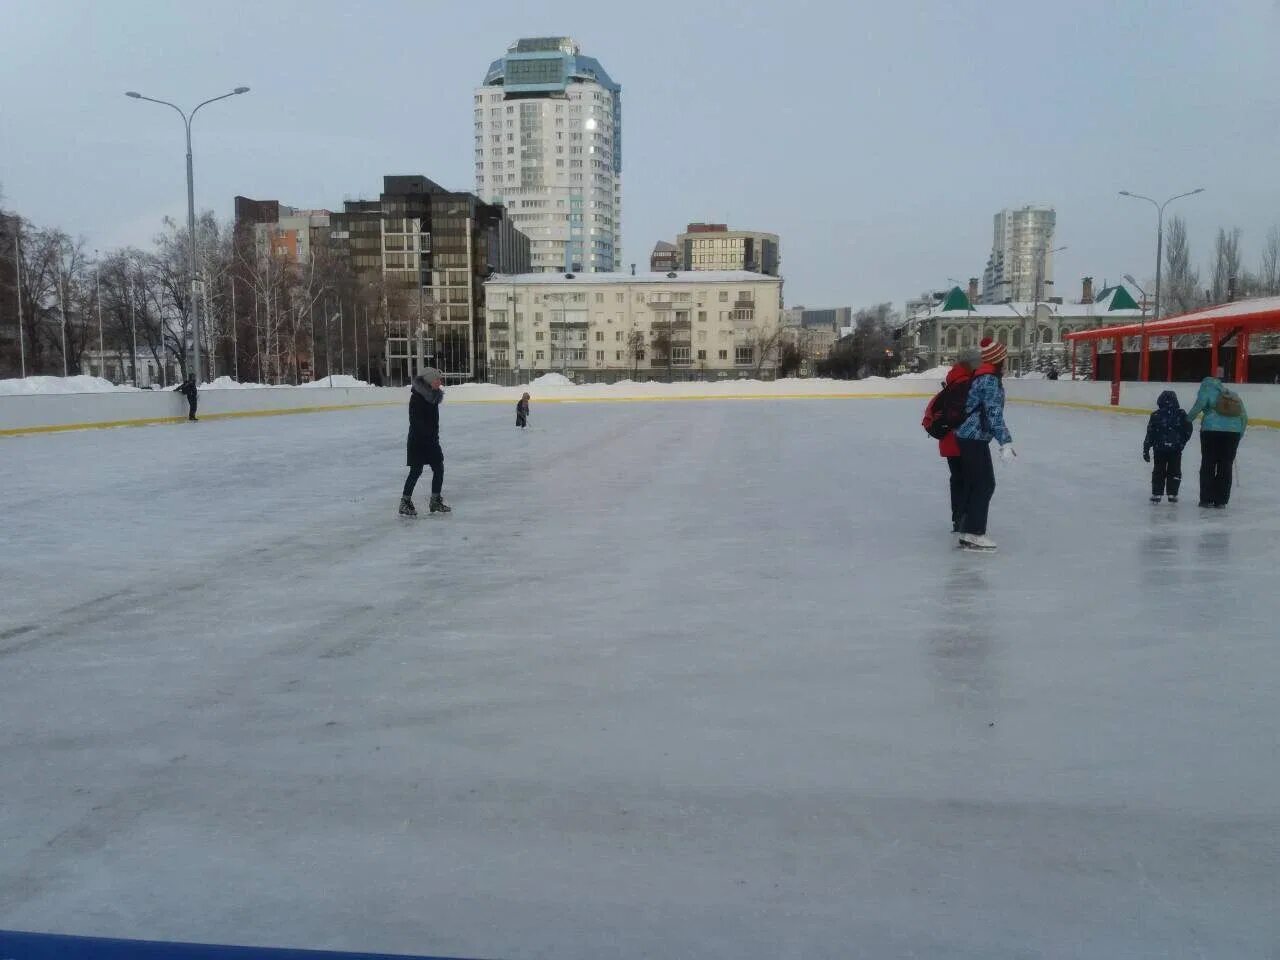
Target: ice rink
677	679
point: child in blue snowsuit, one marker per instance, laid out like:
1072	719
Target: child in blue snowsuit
1168	432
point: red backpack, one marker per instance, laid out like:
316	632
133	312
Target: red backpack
945	411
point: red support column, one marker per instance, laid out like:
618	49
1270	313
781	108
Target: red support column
1144	363
1213	351
1169	351
1242	357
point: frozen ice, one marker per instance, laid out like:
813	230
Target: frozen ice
675	679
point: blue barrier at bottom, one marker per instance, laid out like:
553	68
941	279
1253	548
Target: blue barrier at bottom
52	946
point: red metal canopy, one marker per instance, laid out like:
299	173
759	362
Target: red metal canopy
1222	323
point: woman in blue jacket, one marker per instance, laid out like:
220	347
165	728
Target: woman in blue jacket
1225	421
984	422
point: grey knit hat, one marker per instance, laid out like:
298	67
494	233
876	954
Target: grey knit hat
431	375
970	357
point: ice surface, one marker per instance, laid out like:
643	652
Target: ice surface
675	679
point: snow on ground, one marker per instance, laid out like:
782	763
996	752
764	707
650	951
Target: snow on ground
674	680
76	384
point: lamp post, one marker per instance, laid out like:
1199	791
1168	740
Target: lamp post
1041	254
17	273
1155	313
97	295
191	213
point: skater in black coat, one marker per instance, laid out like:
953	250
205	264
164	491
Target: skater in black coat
188	389
522	412
424	450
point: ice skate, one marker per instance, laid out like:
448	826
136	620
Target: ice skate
1173	498
439	506
407	509
1155	499
976	541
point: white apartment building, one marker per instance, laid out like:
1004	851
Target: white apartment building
548	145
601	326
1021	255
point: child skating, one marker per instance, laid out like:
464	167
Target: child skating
522	412
1168	431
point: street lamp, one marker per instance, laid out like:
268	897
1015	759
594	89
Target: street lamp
191	211
1155	314
1041	254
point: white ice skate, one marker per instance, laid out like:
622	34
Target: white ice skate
976	541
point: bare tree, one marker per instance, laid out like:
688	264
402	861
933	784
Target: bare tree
1183	280
1226	262
635	351
1269	274
764	348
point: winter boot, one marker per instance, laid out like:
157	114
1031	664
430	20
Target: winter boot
439	506
407	508
1173	498
1155	498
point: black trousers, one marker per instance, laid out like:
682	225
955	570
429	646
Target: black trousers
436	463
1166	472
979	485
191	408
521	420
1217	457
955	465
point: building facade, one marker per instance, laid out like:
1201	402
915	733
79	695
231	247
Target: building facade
1020	266
816	331
935	334
284	232
664	258
713	246
427	251
650	325
548	146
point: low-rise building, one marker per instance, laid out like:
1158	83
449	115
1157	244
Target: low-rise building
664	257
935	333
612	326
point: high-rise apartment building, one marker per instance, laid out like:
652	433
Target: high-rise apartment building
1020	267
713	246
548	145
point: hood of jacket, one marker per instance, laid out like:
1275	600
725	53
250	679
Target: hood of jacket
957	374
426	391
1168	400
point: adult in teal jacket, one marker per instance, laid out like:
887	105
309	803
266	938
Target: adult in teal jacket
1220	436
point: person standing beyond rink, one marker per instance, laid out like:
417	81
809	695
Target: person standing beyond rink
189	390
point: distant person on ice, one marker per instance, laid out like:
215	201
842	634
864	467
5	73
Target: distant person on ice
984	422
1168	431
1225	421
188	389
424	450
946	412
522	412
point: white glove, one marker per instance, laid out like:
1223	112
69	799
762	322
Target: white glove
1007	453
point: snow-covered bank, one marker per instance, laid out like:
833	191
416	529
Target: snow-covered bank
42	386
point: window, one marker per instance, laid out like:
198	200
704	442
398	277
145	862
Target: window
600	356
679	354
599	336
537	318
537	335
540	355
724	354
952	336
702	336
743	354
599	298
620	297
639	354
702	354
519	354
724	296
702	316
617	335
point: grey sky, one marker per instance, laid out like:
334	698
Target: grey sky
877	139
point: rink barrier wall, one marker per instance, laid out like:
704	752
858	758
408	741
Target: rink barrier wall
51	413
20	945
56	412
1261	400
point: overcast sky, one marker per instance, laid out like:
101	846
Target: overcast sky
877	139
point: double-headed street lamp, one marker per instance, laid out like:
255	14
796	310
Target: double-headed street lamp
191	213
1155	313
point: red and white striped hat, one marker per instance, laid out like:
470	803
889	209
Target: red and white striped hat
993	352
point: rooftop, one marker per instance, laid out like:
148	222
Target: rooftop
680	276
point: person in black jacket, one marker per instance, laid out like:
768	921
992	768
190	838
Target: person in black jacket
188	389
522	412
1168	431
424	441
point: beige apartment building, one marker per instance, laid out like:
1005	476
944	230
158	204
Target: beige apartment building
713	246
613	326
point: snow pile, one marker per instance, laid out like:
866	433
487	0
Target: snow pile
338	380
77	384
226	383
555	380
936	373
